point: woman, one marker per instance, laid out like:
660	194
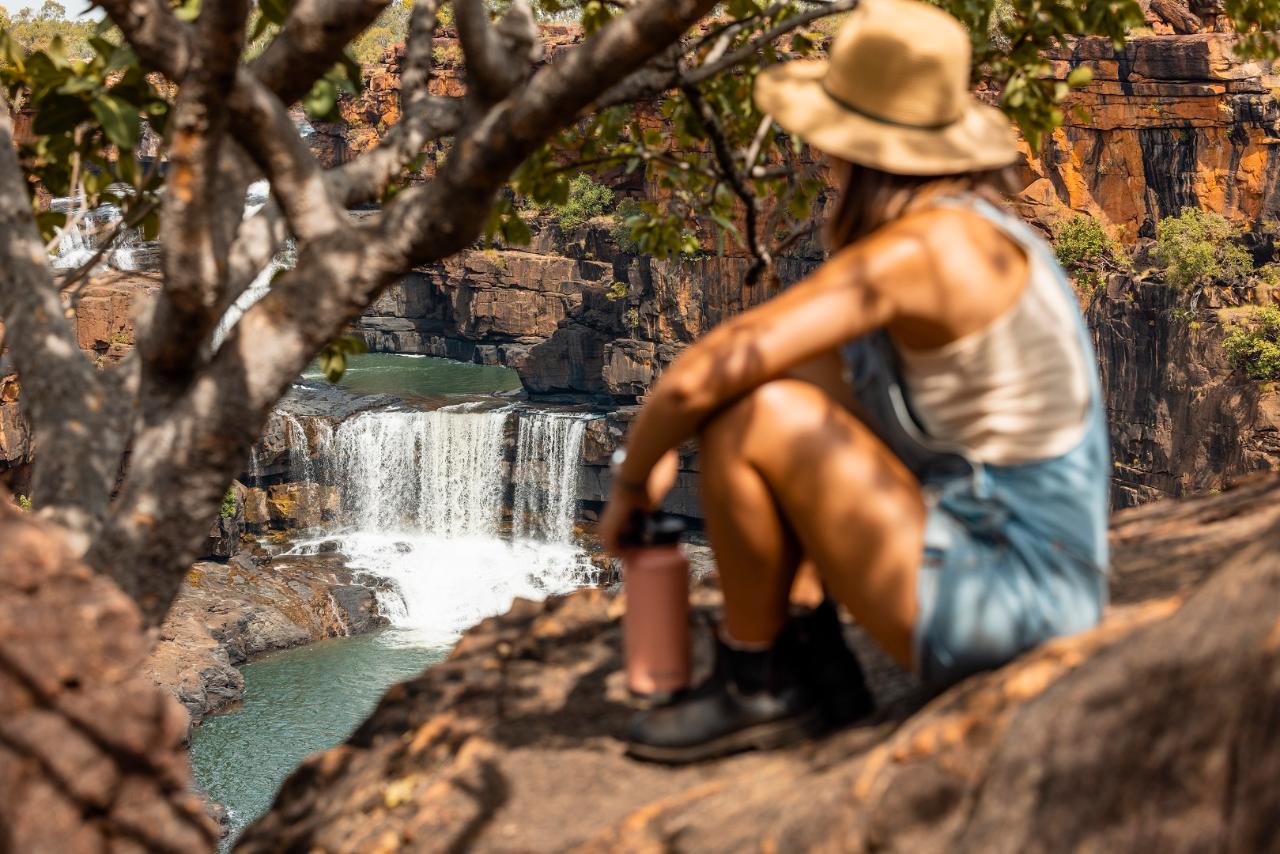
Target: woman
917	424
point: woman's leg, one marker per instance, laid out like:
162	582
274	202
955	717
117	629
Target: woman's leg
789	472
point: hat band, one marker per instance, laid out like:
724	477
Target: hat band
885	120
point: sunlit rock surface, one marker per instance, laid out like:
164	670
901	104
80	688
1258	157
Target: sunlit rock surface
1156	729
92	754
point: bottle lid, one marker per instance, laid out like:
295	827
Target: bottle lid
653	529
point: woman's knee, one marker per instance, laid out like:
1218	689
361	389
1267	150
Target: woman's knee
769	410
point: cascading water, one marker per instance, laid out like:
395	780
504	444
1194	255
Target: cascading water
548	447
423	496
81	237
255	198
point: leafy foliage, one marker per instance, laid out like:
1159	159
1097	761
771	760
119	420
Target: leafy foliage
228	509
586	201
1086	251
1198	248
36	30
24	502
1254	343
88	121
333	358
1259	20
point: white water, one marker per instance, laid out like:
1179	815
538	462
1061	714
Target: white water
80	239
548	447
255	199
423	495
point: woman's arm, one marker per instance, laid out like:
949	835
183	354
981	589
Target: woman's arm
833	305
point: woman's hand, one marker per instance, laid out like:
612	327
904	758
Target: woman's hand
626	500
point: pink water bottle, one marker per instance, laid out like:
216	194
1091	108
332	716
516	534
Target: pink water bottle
655	576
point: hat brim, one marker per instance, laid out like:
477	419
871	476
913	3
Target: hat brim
793	95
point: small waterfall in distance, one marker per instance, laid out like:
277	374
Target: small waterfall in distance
548	448
423	497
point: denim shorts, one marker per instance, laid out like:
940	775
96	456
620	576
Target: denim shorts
1007	565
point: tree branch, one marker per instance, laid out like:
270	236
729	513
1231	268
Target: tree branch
193	249
67	403
310	42
729	171
748	50
422	118
490	73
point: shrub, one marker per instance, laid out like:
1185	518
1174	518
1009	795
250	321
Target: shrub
1085	250
1198	248
587	200
622	222
1253	345
24	502
229	503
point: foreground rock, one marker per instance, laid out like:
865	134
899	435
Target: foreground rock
91	753
1157	729
227	614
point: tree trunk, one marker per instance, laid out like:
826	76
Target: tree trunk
92	754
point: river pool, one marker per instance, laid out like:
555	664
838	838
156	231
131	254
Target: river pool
296	703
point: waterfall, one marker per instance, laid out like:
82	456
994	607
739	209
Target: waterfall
548	449
80	239
301	466
423	496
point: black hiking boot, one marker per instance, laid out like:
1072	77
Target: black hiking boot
830	669
752	701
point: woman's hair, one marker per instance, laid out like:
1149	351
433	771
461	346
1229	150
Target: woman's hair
871	198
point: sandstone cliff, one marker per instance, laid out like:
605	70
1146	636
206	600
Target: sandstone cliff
1169	122
227	614
1154	730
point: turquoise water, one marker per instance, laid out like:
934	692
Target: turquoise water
423	377
296	703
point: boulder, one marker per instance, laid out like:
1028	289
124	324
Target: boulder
295	505
1154	731
227	614
92	755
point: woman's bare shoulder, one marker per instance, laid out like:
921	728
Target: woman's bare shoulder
947	268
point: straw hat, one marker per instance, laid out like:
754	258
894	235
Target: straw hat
894	95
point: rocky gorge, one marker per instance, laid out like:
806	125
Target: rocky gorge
346	492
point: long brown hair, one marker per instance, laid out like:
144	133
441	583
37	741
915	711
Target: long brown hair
872	198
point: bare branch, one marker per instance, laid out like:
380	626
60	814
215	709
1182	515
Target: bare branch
423	118
161	41
257	242
310	42
73	282
193	252
710	69
729	171
66	401
263	126
490	71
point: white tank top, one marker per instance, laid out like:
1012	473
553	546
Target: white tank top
1014	392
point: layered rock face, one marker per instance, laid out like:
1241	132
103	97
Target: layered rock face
1169	122
230	613
575	315
1069	747
105	318
1182	418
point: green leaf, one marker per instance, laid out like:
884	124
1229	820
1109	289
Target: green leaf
49	222
322	101
188	11
274	11
59	114
1080	76
119	119
333	358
